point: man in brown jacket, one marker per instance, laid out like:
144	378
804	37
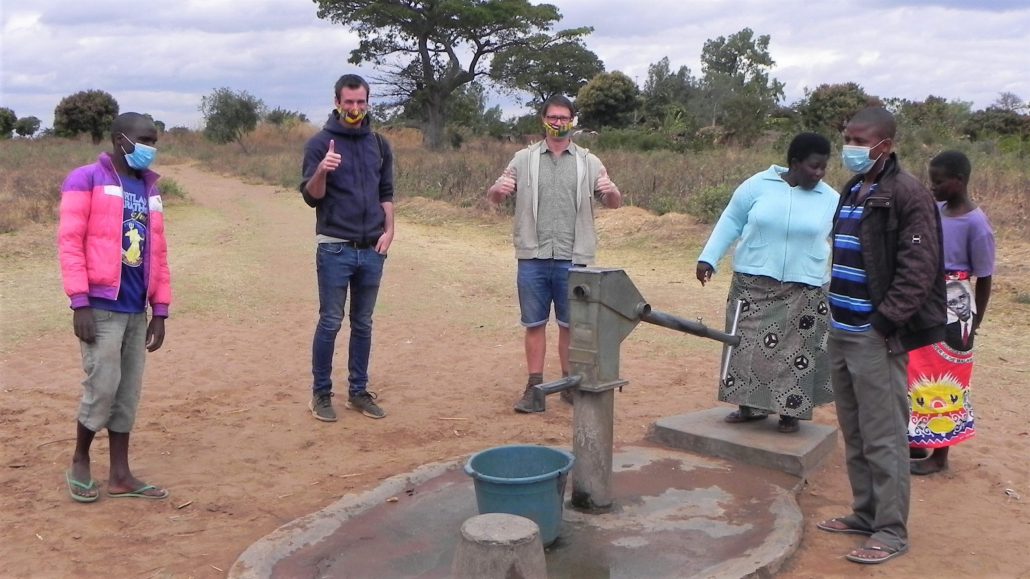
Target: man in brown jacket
887	297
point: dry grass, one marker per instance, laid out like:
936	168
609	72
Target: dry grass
659	181
31	174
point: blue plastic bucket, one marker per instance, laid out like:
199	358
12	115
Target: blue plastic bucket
522	480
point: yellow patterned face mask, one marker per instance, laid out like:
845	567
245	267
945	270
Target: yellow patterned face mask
559	130
352	118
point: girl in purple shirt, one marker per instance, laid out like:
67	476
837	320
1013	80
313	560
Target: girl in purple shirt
939	374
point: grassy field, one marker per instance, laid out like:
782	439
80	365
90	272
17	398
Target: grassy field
31	172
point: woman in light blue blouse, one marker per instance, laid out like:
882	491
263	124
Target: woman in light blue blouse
781	220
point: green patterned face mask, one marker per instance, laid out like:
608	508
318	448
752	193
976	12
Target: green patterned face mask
558	130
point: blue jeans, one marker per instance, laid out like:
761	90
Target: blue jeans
340	267
542	282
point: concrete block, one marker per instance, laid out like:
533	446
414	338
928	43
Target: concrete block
499	546
757	443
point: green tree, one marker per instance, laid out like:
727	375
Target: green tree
828	107
281	117
421	44
610	99
666	98
738	94
547	66
230	115
467	109
88	111
27	126
159	124
930	121
7	122
996	122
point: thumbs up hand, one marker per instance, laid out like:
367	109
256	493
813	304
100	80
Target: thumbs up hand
504	186
607	191
331	160
604	185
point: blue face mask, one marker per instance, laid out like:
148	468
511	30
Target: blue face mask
856	159
141	156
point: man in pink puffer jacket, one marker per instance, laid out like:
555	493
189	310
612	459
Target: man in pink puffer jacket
114	262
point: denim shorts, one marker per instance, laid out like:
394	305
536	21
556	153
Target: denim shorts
542	282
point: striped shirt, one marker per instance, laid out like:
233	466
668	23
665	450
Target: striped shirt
850	306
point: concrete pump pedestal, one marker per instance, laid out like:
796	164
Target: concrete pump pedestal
757	442
674	514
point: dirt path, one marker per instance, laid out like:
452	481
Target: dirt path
224	422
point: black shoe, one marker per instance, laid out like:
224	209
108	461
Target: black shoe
364	402
788	424
321	406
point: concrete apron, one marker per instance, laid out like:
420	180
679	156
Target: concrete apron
676	515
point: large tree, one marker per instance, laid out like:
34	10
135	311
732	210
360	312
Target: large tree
88	111
828	107
230	115
27	126
610	99
1011	101
547	65
929	122
7	121
739	95
421	44
667	96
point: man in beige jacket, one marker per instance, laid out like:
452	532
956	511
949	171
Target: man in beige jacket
554	183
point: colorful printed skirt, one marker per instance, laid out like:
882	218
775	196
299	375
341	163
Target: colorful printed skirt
781	365
939	376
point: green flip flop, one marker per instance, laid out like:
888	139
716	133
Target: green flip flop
141	493
74	484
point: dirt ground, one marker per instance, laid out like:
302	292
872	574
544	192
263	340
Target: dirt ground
224	422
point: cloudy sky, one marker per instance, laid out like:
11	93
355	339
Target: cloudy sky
162	56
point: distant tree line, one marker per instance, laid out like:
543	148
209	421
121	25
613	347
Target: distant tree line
436	63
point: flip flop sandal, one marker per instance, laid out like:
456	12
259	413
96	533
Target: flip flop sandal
737	416
141	493
845	530
74	484
890	554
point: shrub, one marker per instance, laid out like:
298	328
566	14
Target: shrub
708	203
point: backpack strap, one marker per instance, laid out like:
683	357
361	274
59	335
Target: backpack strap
382	155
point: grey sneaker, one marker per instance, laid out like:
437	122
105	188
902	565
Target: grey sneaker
321	406
525	404
364	402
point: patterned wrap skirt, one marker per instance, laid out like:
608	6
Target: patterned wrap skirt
781	365
939	376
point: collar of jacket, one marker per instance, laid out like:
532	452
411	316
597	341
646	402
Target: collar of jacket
107	164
